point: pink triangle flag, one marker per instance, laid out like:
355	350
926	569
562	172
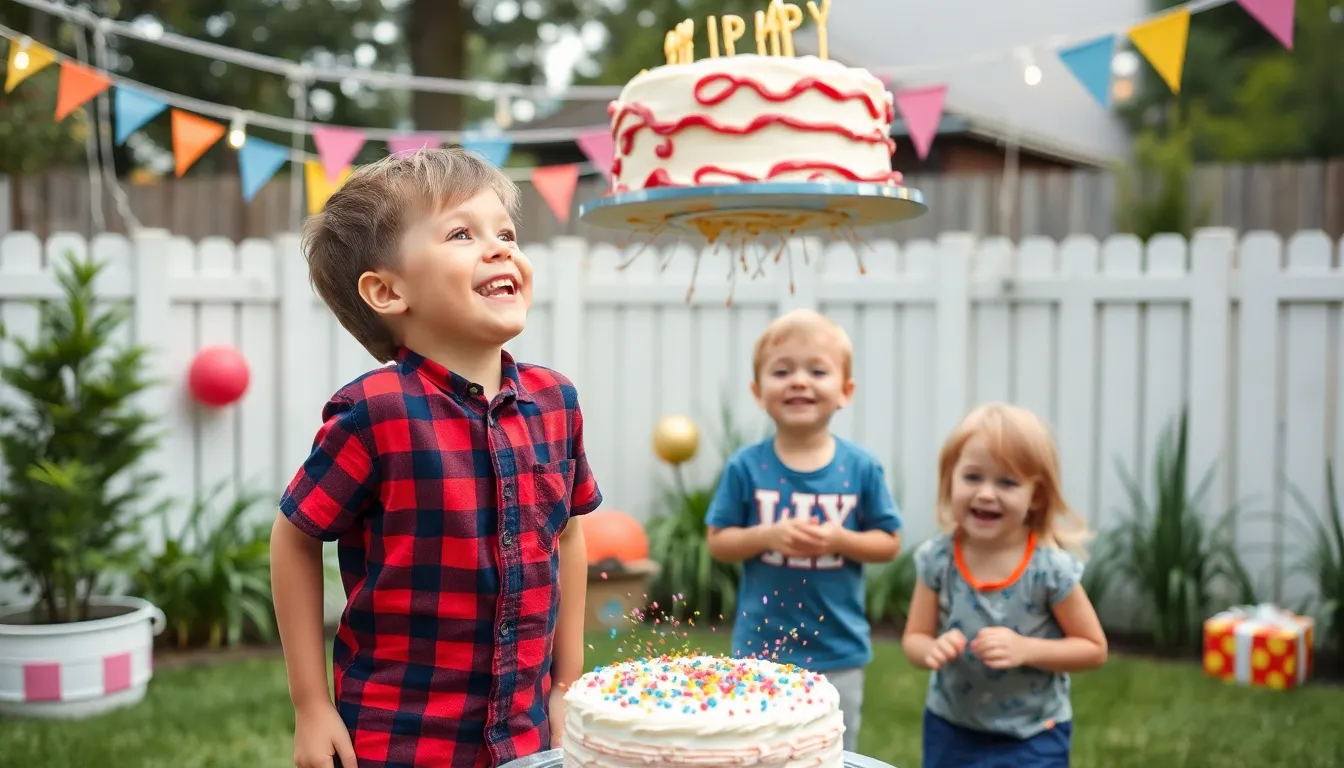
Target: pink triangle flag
921	108
409	142
598	146
1276	16
337	148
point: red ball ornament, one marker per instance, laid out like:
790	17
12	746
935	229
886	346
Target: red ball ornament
218	376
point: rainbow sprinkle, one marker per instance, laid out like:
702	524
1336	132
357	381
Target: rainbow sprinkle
695	684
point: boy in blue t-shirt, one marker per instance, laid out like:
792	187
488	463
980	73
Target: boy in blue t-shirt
803	510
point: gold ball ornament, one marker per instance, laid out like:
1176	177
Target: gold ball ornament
675	439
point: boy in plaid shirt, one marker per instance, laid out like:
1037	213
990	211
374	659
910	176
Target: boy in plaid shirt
449	480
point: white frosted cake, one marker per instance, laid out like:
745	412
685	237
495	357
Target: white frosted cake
702	711
748	118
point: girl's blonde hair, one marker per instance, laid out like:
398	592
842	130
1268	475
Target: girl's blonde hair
1023	444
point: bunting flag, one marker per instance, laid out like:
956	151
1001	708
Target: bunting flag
1090	63
78	85
1276	16
922	109
35	58
192	136
1162	43
412	141
495	150
597	145
337	149
318	186
132	110
258	161
555	184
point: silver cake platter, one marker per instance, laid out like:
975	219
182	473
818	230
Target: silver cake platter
555	759
755	208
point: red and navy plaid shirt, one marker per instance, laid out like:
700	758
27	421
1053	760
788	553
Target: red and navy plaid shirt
448	510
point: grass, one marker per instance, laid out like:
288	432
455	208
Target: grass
1133	712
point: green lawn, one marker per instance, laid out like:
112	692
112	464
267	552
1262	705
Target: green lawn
1131	713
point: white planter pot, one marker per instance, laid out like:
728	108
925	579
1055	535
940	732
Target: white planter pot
79	669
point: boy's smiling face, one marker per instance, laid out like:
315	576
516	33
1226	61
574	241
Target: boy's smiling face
461	276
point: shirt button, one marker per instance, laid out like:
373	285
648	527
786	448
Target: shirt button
508	491
474	389
505	628
506	538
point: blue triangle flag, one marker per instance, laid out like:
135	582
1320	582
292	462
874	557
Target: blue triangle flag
495	150
132	110
1090	62
258	160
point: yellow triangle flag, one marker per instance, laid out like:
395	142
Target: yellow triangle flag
1162	43
25	60
319	187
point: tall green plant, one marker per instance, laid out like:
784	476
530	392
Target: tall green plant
1154	187
1167	551
71	448
890	586
678	543
1324	564
213	578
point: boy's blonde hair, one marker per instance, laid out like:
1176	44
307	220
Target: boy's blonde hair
361	227
1021	443
802	322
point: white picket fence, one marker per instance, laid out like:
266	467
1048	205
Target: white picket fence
1107	341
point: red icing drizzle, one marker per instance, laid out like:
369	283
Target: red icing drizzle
819	168
624	136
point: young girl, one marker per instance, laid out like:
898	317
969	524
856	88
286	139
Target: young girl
998	613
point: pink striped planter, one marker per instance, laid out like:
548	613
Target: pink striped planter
79	669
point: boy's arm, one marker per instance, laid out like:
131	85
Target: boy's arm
871	546
296	584
878	539
733	545
567	655
729	538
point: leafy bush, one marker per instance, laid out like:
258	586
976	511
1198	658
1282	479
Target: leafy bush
1168	553
1324	564
890	586
71	506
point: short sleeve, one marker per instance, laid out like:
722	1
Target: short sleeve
932	560
728	508
879	510
585	496
1061	572
336	483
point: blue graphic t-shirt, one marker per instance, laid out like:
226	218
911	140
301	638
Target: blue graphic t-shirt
804	611
1019	702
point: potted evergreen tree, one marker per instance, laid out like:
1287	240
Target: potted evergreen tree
72	496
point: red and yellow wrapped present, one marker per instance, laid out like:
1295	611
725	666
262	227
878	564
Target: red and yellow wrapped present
1260	646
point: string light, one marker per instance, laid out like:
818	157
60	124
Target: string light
238	131
1031	74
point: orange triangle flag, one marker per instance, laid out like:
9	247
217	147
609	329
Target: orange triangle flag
1162	43
26	60
78	85
555	184
192	135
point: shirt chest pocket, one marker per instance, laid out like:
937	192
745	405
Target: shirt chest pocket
546	513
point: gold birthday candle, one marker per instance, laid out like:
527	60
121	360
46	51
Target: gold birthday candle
790	18
734	27
672	46
819	16
712	29
686	30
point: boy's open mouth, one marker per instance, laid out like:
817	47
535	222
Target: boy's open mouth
499	286
986	515
799	401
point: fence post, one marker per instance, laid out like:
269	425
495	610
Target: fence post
569	255
151	321
1211	252
952	313
295	313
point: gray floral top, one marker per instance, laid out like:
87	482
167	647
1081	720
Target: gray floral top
1018	702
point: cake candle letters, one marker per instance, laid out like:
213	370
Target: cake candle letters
790	17
733	29
819	16
712	29
686	31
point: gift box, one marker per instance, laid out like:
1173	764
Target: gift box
1259	646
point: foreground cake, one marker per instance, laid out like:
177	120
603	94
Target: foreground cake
702	711
747	118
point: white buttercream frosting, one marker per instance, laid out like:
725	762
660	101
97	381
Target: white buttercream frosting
702	711
747	117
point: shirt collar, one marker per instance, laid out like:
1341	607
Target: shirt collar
510	383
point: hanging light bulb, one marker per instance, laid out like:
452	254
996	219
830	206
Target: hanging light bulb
21	60
238	131
1031	74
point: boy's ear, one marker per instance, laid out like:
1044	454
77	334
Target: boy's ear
756	391
380	291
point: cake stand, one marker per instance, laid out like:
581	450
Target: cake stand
759	213
555	759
